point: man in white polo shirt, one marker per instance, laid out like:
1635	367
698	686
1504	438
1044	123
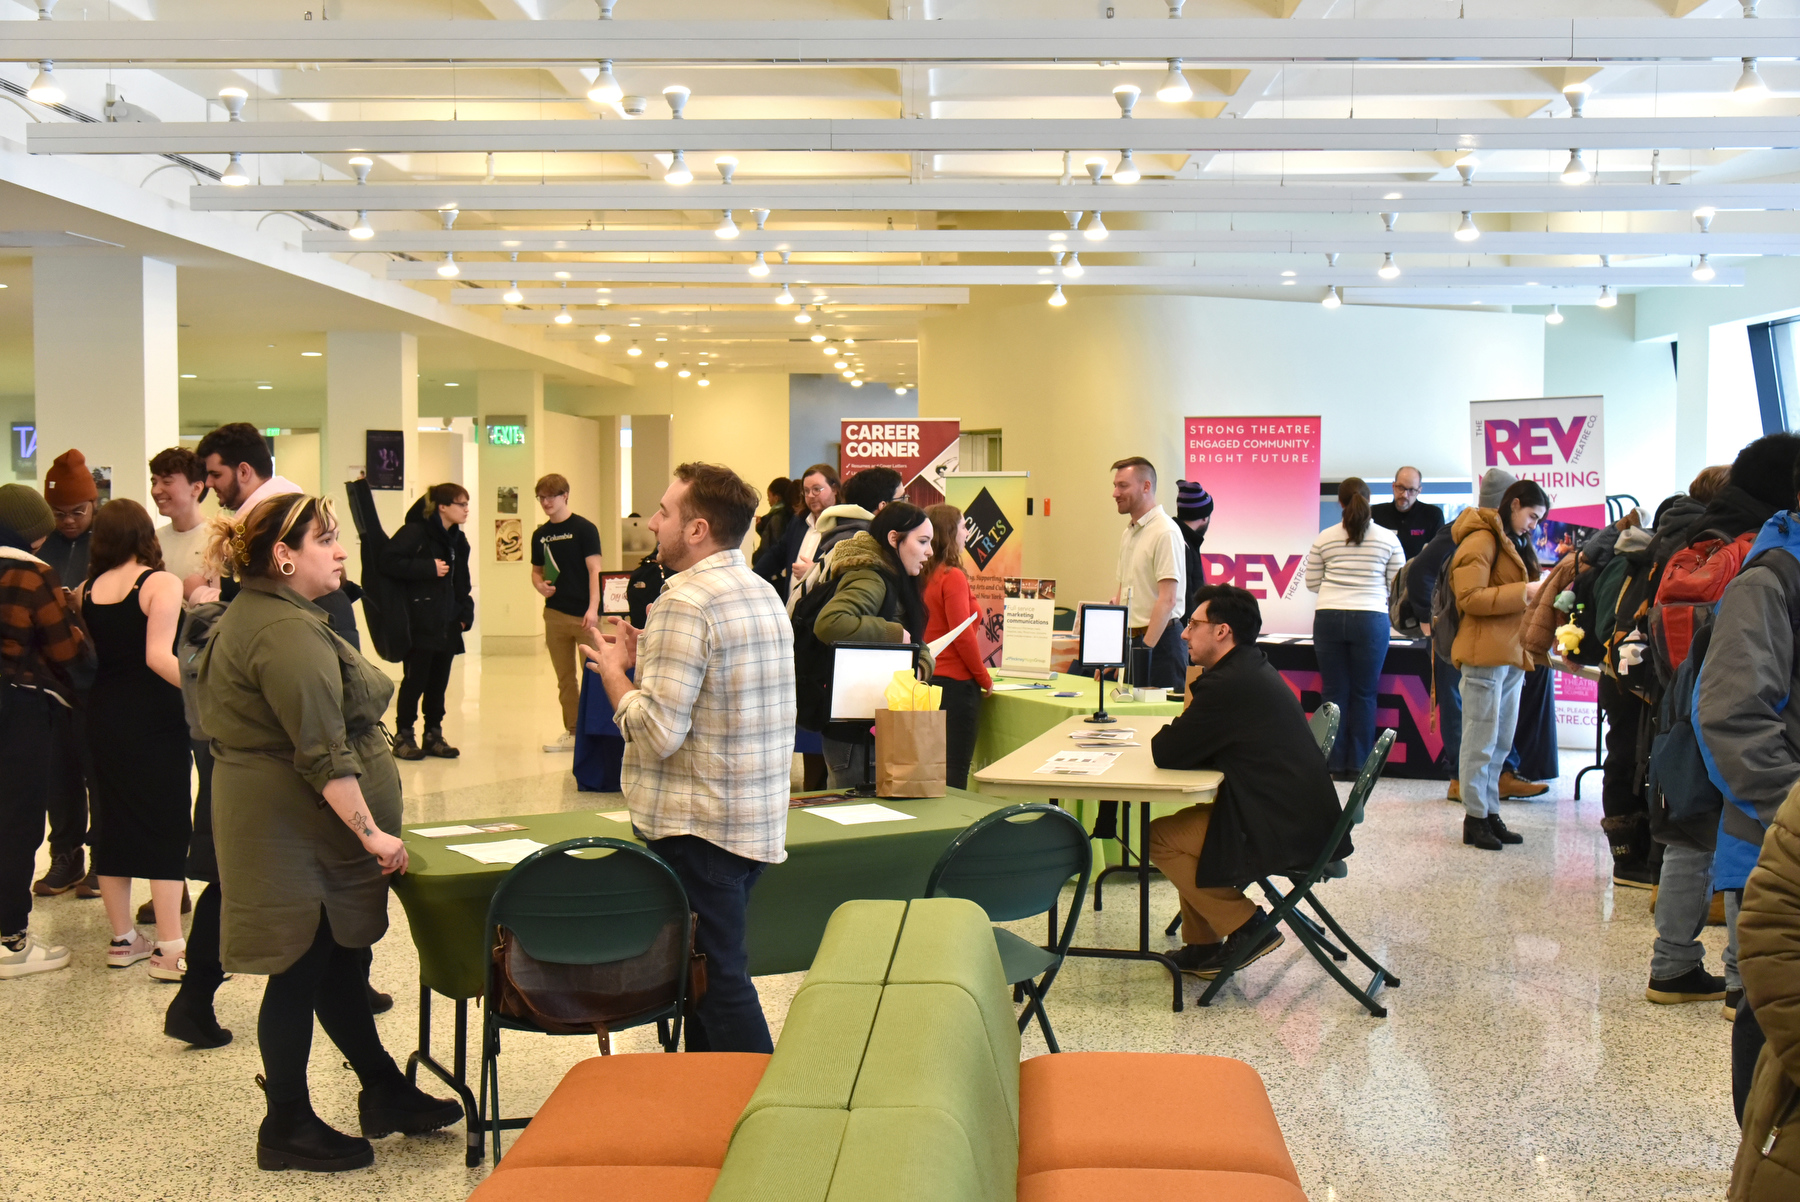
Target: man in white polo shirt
1153	571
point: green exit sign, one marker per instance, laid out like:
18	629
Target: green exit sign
506	436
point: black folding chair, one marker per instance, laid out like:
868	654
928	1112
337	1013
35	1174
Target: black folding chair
1286	910
1013	863
607	940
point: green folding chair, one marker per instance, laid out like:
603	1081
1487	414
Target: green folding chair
607	940
1013	863
1286	910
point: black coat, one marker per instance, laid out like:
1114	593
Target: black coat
1277	806
439	608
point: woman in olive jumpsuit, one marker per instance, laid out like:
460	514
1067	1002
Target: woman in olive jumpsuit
306	822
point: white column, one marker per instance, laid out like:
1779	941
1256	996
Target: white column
512	612
371	383
1692	380
104	335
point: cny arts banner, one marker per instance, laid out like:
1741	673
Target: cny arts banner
1263	474
993	506
923	451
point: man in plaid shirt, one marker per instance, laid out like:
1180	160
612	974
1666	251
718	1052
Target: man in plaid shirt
43	651
709	732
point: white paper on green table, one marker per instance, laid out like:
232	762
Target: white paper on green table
1078	763
1016	688
615	815
445	832
859	814
501	851
1112	734
937	645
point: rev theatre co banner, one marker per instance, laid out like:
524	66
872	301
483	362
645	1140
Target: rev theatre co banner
1263	474
1560	443
922	450
993	506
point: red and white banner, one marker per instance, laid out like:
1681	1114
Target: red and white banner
1263	474
922	450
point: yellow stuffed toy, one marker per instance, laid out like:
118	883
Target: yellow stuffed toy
1568	638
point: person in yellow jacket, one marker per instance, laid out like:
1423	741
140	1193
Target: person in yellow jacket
1768	932
1494	578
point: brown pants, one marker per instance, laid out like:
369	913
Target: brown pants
1207	915
561	634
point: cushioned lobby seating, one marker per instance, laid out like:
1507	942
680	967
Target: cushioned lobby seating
897	1079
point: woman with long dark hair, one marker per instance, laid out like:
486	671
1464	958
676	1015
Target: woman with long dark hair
1351	566
877	601
137	735
962	675
1494	577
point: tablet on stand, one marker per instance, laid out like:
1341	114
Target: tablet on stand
1105	643
860	674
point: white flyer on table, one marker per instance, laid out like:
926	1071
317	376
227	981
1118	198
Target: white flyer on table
502	851
937	645
858	814
1079	763
445	832
1111	734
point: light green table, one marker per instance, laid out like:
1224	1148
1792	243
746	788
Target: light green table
1012	719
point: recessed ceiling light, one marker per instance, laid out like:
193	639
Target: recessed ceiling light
451	384
264	387
1393	196
189	376
311	354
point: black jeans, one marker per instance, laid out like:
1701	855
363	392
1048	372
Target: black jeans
25	750
718	883
1624	808
331	981
1168	659
426	674
962	723
67	784
1747	1041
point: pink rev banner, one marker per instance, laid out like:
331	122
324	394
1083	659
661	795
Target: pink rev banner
1263	474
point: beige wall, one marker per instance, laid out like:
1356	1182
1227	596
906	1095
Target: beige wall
1112	375
510	609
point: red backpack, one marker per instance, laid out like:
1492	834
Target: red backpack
1692	584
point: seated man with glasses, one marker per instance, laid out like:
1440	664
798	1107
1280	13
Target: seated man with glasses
1277	805
1412	522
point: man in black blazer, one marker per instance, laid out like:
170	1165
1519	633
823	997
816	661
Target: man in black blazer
1277	805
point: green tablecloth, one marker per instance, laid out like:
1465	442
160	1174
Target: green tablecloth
1012	719
446	893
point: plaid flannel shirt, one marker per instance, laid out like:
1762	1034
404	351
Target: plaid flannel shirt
709	729
42	643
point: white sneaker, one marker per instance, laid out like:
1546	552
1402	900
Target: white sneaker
565	742
123	953
35	956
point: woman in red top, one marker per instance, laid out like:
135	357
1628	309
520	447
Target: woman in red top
959	669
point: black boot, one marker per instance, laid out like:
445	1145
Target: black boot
404	746
293	1137
379	1002
434	745
1477	833
395	1104
190	1016
1501	832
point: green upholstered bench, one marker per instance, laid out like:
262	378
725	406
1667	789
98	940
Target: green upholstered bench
897	1079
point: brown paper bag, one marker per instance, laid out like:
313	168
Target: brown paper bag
909	753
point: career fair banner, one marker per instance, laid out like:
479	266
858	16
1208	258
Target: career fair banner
1559	442
1263	474
993	506
922	450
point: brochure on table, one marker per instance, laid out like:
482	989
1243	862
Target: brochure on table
1028	622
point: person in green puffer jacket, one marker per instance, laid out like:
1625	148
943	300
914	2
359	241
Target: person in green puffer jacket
877	600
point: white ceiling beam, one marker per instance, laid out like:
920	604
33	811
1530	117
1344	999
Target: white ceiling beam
1025	195
1496	295
1245	241
681	292
1145	135
1199	41
831	277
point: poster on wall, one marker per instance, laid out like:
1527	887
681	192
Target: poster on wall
1560	443
993	506
923	451
1263	474
509	540
386	459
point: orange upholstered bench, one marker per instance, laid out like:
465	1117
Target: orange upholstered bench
653	1126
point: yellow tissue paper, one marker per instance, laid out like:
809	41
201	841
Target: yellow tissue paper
908	692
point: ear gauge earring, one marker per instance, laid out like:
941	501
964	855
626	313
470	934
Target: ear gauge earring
287	567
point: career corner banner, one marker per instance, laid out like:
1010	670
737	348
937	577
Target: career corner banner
922	450
993	506
1263	474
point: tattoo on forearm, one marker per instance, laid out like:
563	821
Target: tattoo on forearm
359	822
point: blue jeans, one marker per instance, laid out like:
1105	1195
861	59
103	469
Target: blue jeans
1683	896
718	883
1449	706
1352	646
1490	704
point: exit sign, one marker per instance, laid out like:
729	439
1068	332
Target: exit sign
506	436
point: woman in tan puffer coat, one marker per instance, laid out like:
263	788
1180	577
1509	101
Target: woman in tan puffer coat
1768	931
1494	577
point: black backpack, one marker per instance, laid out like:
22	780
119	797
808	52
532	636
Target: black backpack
644	587
1400	611
1444	614
1684	803
813	657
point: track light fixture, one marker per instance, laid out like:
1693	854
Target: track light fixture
678	172
1332	298
1127	96
562	317
234	175
448	268
856	383
727	227
819	336
1127	171
1096	168
1074	216
661	360
448	215
1072	268
1703	271
684	373
899	390
1554	317
1607	299
762	218
1057	299
727	166
233	100
362	231
1096	230
634	350
1175	87
804	318
1389	269
1576	94
784	297
512	295
677	96
44	89
606	89
1465	167
1388	219
1577	171
1703	217
1750	85
1466	232
759	268
848	375
361	164
702	382
602	336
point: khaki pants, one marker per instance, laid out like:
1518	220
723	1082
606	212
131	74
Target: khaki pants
561	634
1207	915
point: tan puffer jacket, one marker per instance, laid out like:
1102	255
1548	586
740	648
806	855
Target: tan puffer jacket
1487	578
1768	1159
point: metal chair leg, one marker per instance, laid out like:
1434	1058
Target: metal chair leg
1368	960
1274	895
1366	997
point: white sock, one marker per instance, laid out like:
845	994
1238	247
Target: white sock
125	935
171	947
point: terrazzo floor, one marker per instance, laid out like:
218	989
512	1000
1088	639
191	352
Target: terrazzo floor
1519	1060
